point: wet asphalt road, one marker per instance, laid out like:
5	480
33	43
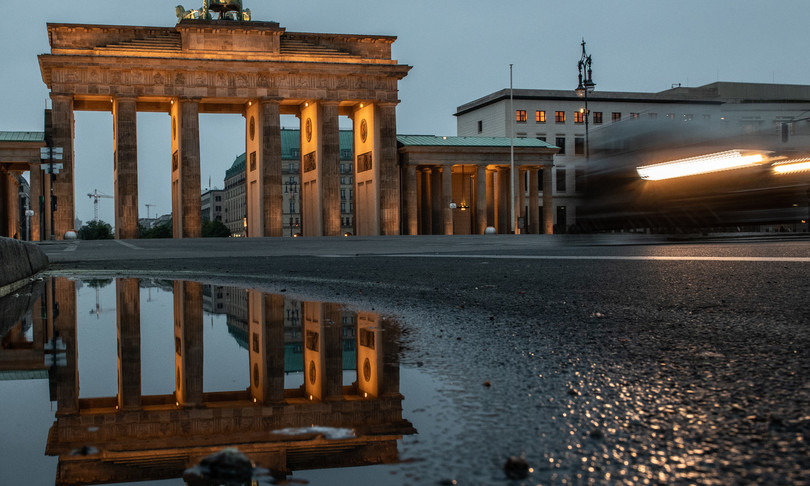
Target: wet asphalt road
610	359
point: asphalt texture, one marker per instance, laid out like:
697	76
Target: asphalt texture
611	359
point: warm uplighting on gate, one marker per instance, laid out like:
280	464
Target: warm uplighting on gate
792	166
703	164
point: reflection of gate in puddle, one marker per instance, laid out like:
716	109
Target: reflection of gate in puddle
147	437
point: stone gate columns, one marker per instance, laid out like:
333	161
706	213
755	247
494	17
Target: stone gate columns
534	202
188	343
447	198
548	201
411	200
128	319
369	355
320	169
263	168
521	196
426	201
125	167
480	199
186	216
266	347
389	169
377	211
62	132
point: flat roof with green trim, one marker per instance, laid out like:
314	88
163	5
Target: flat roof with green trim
441	141
22	136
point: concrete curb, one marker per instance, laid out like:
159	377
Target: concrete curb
19	261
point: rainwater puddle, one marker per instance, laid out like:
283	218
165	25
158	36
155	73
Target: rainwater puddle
134	380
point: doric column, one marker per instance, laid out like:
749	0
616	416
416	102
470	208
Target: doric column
503	200
128	319
186	216
263	196
62	133
427	201
389	169
37	191
534	202
314	352
411	199
188	339
330	168
125	135
521	199
480	199
491	199
447	198
548	201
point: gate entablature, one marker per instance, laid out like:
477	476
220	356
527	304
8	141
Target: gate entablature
225	66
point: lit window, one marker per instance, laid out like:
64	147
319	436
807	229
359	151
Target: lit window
520	116
559	116
540	116
597	117
616	116
634	116
670	116
579	117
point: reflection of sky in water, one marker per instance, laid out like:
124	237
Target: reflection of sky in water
225	366
28	412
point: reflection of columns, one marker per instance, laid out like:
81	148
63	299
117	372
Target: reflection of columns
369	354
447	198
125	136
266	346
411	194
128	319
188	343
534	203
480	199
314	362
548	201
186	215
62	131
333	350
61	295
521	204
389	169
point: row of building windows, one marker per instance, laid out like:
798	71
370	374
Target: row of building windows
596	117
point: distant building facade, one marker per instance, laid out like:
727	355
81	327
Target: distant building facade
718	115
235	208
212	204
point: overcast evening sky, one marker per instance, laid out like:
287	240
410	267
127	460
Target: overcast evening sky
459	50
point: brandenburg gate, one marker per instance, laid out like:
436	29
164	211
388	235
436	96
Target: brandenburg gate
232	65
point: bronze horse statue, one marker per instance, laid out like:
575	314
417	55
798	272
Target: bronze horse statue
225	9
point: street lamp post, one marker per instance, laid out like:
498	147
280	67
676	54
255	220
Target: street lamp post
585	86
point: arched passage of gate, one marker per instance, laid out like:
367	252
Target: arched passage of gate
256	69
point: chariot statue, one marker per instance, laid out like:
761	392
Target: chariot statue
225	10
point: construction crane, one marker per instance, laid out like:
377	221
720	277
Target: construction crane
147	209
96	196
